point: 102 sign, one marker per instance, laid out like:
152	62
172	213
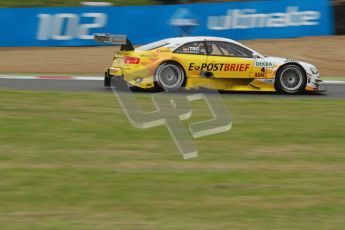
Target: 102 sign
66	26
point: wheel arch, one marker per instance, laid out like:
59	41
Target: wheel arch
169	61
291	63
286	64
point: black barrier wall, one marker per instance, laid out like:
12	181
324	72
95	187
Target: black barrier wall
339	13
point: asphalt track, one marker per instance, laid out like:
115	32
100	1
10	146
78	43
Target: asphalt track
95	84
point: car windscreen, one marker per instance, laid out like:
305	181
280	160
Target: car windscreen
152	46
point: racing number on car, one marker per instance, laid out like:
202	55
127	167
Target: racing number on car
262	69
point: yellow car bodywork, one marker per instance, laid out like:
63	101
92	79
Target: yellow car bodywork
227	73
242	76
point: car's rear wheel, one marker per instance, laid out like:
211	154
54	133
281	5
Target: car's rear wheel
170	76
291	79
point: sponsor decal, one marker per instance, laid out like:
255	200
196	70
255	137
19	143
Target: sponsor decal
250	18
191	49
269	81
266	81
263	64
261	74
219	67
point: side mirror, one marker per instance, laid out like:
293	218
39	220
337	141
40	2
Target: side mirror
256	55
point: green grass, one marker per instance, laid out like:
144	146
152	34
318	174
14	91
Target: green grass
72	161
50	3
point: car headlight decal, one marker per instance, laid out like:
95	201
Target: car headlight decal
314	70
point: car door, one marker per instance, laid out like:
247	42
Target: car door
228	60
192	57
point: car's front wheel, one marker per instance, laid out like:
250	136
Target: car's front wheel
170	76
291	79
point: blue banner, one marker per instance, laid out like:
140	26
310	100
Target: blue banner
74	26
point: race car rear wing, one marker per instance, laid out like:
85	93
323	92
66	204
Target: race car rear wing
116	40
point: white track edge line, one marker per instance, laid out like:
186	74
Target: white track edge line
334	82
52	78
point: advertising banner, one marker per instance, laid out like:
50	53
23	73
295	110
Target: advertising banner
75	26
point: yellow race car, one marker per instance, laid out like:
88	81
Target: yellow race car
222	63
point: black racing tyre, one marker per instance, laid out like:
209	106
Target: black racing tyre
170	76
107	81
290	79
107	78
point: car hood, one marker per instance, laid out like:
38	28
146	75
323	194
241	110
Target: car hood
282	60
278	61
